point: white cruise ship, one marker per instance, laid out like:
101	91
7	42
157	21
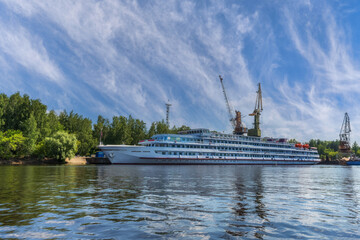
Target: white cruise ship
200	146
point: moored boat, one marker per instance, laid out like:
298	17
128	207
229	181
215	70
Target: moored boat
200	146
354	162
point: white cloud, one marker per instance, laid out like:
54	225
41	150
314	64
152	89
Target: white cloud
330	59
322	102
28	51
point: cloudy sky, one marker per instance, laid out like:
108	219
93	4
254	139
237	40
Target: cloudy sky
115	57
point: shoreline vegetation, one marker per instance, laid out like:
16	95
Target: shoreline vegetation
77	160
32	134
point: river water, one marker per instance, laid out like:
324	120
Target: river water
183	202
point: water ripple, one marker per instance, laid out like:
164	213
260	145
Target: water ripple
186	202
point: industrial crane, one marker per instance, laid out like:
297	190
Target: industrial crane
256	132
345	130
238	126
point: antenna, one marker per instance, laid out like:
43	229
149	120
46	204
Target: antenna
167	113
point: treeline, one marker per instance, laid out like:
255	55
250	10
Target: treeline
27	128
328	150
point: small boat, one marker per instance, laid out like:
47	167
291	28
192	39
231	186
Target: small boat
353	162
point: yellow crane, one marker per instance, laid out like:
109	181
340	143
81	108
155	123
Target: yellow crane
256	132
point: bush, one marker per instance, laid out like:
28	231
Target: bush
11	144
60	146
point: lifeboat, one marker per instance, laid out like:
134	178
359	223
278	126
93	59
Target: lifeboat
306	146
298	145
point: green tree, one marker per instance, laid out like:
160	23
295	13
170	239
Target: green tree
312	143
120	132
326	149
60	146
358	153
11	144
355	147
82	128
52	123
162	127
152	130
16	111
137	130
39	111
333	155
30	131
321	150
102	126
330	154
182	128
4	100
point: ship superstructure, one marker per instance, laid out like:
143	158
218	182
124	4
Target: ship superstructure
200	146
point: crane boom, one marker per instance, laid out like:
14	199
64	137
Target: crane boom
231	117
256	131
258	103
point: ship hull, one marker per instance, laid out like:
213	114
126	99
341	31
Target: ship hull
197	162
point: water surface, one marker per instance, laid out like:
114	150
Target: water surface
184	202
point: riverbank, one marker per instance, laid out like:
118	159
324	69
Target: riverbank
42	161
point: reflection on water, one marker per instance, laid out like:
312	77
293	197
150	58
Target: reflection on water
194	202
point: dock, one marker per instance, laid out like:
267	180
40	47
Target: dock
97	160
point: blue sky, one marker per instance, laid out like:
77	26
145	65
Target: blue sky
129	57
